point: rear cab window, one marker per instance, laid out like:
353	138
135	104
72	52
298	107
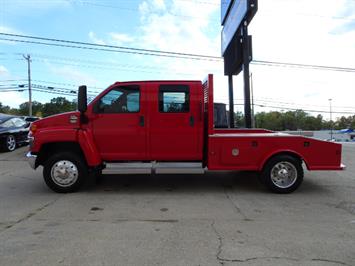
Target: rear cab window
174	99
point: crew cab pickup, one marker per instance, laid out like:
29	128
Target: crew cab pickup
166	127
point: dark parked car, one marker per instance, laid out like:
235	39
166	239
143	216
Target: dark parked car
13	132
30	118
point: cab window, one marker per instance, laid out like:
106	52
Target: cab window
120	100
174	99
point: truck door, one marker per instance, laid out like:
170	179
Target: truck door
175	124
119	123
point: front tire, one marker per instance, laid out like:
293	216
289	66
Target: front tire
283	174
65	172
10	143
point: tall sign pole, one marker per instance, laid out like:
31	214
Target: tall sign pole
231	101
253	120
28	58
246	60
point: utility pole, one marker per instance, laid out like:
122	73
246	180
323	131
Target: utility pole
28	58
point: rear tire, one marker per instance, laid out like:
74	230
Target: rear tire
65	172
282	174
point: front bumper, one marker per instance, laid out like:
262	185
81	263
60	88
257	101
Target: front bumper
31	160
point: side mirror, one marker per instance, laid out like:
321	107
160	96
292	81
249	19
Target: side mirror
82	99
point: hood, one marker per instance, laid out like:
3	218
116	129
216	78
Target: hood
4	129
69	119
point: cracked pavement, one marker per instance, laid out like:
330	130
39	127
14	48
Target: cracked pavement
212	219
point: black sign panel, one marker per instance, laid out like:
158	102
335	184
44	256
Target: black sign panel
232	47
239	11
233	57
225	7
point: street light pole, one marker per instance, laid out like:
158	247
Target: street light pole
331	121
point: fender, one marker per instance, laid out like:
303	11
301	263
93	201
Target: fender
52	135
279	151
83	137
87	144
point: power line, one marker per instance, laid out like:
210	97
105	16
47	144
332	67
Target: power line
102	49
104	64
113	48
65	84
300	104
130	50
11	80
54	92
296	109
135	10
261	101
109	67
58	88
308	66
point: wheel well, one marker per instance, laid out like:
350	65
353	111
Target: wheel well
292	154
50	148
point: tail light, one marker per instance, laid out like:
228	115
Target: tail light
33	129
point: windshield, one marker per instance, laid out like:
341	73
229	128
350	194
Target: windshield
6	124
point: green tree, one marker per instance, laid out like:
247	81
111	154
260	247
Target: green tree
58	105
4	108
270	120
239	119
36	108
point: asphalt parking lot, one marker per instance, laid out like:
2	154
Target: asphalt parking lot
211	219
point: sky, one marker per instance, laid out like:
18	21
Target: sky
317	32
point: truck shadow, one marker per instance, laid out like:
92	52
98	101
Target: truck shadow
240	182
209	182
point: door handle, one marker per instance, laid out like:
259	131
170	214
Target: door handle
141	121
192	121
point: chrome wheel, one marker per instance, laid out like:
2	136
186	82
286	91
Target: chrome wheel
11	143
283	174
64	173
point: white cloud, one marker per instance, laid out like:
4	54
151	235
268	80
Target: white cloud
94	39
4	73
179	29
9	30
114	38
29	7
6	29
120	38
10	98
305	35
283	31
72	74
159	4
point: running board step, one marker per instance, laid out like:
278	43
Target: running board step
153	167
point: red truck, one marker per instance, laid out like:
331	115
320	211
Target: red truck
166	127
